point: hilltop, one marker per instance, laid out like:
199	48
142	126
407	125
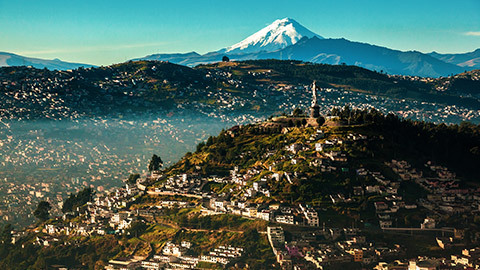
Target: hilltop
364	136
315	183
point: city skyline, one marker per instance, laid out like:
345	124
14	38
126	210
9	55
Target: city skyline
112	32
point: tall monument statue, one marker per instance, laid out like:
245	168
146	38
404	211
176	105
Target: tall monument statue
315	109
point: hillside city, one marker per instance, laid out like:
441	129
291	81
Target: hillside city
68	165
109	214
300	235
30	93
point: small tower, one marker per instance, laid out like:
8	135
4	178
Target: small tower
315	109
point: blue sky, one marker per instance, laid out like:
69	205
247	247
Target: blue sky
103	32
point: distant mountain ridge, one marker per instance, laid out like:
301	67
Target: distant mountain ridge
11	59
286	39
471	59
338	51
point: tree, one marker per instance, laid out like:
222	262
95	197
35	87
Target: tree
5	241
132	179
225	58
320	120
200	146
187	164
297	112
6	234
155	163
137	228
210	140
42	211
74	201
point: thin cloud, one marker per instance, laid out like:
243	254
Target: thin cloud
472	33
93	48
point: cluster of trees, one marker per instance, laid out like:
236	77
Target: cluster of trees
214	222
5	240
13	256
137	228
132	179
297	112
92	253
155	163
454	146
297	123
257	252
76	200
43	211
464	85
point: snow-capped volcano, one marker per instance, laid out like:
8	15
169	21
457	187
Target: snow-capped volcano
278	35
287	39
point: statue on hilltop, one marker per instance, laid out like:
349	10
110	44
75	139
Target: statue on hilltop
314	109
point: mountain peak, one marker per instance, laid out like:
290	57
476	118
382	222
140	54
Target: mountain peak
285	21
278	35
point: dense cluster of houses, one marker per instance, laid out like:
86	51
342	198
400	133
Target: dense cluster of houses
108	214
301	215
182	184
105	215
468	259
392	202
446	193
345	245
176	256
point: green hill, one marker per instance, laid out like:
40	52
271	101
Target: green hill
264	145
246	86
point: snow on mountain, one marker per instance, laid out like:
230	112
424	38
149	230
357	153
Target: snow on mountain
278	35
287	39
